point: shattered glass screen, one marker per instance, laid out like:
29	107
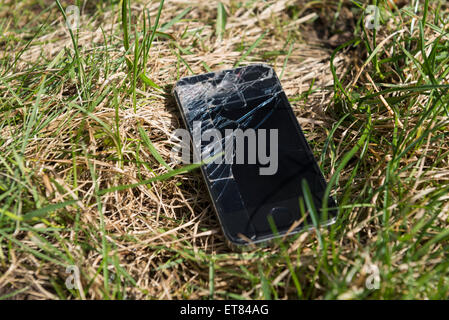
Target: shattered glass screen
250	98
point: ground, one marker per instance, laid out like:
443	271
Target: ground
86	113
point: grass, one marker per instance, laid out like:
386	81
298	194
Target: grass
86	177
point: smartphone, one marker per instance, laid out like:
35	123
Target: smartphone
257	164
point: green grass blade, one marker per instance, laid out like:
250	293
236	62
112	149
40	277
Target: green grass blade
45	210
153	150
161	177
220	25
250	49
176	19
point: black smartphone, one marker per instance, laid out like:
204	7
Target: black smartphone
257	161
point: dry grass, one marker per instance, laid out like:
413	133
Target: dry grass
163	240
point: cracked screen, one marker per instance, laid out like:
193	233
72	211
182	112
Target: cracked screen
242	119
